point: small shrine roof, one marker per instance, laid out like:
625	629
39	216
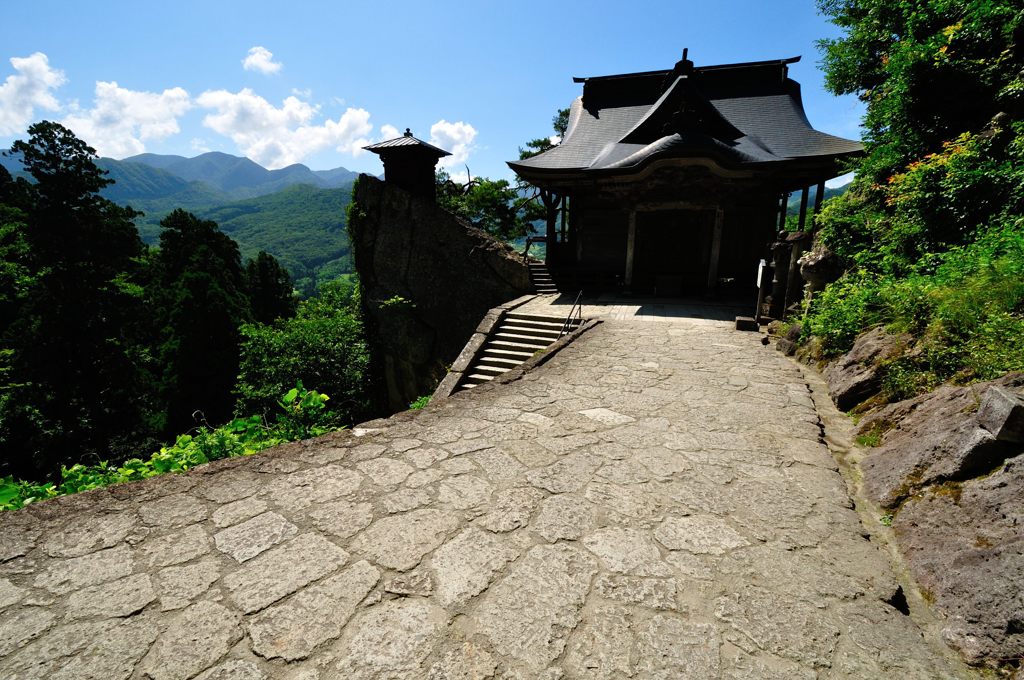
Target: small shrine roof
406	140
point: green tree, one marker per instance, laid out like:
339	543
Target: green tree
932	230
322	346
77	387
199	290
928	71
504	210
560	123
271	293
492	205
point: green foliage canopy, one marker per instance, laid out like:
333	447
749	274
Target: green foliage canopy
932	231
322	346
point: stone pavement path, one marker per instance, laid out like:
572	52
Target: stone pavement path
653	502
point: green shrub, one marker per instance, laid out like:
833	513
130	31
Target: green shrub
303	414
842	311
323	347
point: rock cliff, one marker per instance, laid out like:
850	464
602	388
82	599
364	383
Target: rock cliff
426	280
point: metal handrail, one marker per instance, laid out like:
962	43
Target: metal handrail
578	308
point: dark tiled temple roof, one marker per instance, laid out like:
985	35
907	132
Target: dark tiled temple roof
406	140
737	115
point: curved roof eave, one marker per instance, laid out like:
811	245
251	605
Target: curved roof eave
718	165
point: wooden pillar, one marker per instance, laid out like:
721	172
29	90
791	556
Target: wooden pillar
562	205
819	196
716	248
575	237
803	208
551	212
783	205
630	247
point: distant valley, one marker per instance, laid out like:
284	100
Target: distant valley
294	213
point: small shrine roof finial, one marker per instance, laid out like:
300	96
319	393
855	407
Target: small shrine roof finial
408	132
685	51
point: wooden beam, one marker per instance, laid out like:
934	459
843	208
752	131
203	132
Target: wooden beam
630	247
649	206
716	249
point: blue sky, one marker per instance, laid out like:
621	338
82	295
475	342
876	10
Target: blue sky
312	82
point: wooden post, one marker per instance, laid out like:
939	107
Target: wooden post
716	248
630	247
550	210
803	208
783	205
564	230
819	196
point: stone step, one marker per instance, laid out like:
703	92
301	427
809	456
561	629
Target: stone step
499	361
532	331
523	340
509	354
538	325
535	317
513	345
481	378
487	369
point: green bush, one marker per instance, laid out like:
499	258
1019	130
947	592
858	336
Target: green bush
323	347
965	307
842	311
302	414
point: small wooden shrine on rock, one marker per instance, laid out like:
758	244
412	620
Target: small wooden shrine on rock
675	182
409	163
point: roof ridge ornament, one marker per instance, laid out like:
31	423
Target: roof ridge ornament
684	66
408	133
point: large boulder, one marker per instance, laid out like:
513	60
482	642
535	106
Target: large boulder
951	471
964	544
819	266
855	376
946	435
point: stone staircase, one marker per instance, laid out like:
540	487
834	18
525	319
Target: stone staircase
541	279
517	338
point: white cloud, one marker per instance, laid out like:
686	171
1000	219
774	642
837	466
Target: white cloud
199	145
30	88
840	181
261	59
460	177
278	136
304	93
388	132
456	138
122	120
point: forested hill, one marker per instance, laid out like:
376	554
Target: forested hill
239	177
793	205
295	214
302	226
213	177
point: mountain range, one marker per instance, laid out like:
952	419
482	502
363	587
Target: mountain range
294	213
